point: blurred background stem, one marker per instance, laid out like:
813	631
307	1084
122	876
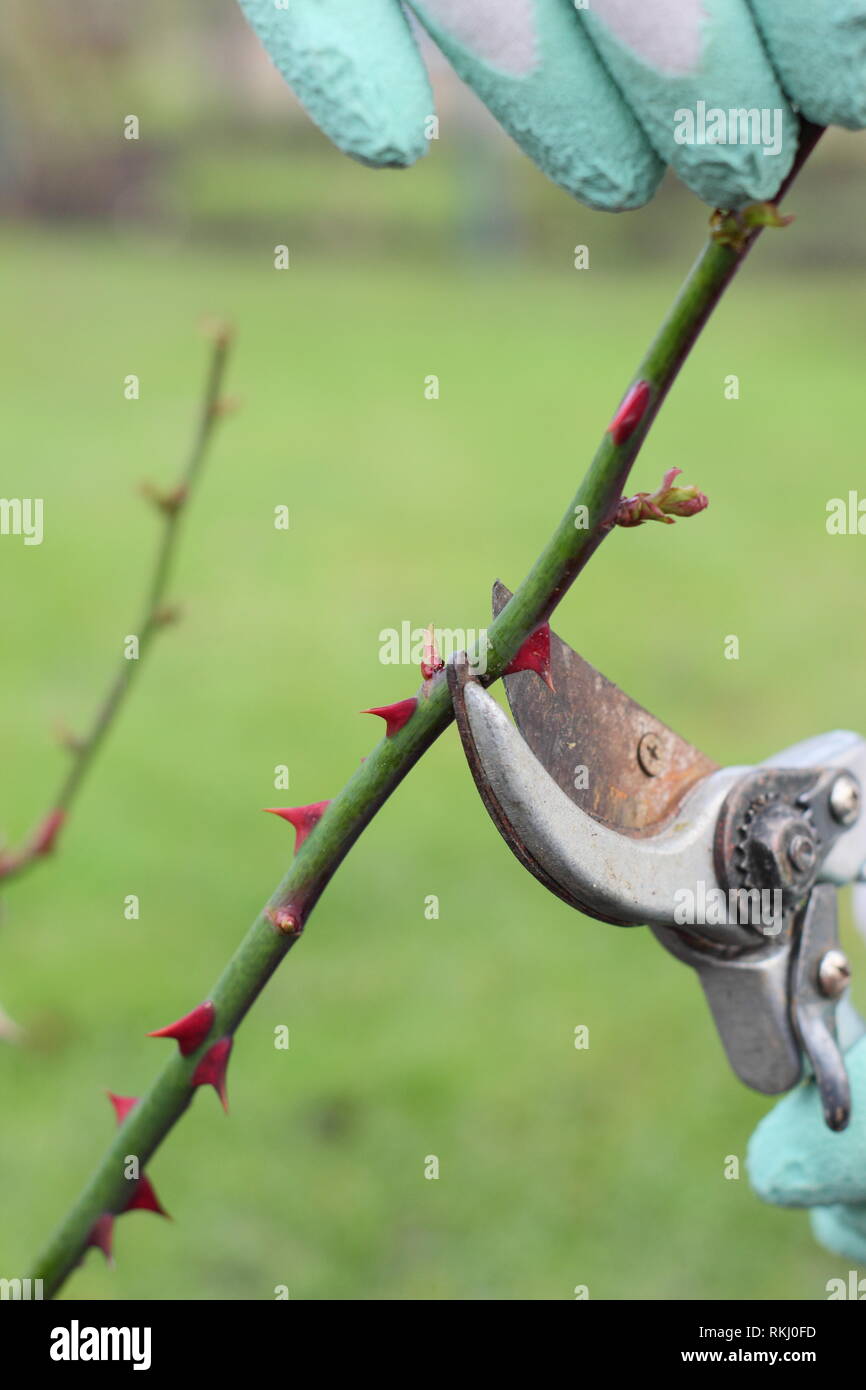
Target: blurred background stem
155	615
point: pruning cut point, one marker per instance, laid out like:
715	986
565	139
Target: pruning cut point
303	818
211	1070
630	413
191	1030
395	716
122	1105
534	655
145	1199
220	331
431	661
45	838
285	920
165	616
67	739
167	502
102	1235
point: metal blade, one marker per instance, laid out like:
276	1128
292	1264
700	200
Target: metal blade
622	879
637	770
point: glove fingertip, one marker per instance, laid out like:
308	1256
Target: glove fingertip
359	74
779	1170
841	1230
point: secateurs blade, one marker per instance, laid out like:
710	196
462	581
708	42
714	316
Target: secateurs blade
734	869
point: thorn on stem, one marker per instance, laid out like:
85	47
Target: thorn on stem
145	1199
303	818
102	1235
534	655
122	1105
395	716
143	1196
45	838
190	1031
211	1070
630	413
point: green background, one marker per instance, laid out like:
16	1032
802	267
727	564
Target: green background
409	1038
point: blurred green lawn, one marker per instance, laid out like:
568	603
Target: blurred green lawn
408	1038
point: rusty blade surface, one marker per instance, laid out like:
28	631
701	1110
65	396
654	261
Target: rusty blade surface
638	771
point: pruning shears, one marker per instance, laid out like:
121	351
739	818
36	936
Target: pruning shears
735	870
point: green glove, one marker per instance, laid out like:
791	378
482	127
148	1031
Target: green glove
794	1160
602	97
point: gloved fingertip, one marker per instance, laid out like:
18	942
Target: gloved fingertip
377	149
535	68
734	176
731	184
607	186
794	1160
699	80
779	1169
819	52
841	1229
357	71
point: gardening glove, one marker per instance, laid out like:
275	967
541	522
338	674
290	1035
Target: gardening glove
602	95
794	1160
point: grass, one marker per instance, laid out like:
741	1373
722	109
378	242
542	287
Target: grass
409	1038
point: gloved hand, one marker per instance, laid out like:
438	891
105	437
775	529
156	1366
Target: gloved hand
594	95
794	1160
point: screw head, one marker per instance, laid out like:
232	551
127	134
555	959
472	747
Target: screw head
651	754
802	853
834	972
845	799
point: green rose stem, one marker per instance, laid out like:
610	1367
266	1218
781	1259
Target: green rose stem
278	926
172	506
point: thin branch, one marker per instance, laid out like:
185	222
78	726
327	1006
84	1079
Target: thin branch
172	506
279	925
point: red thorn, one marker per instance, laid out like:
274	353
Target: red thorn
285	920
191	1030
46	834
630	413
122	1105
145	1199
101	1235
534	655
211	1070
395	716
303	818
